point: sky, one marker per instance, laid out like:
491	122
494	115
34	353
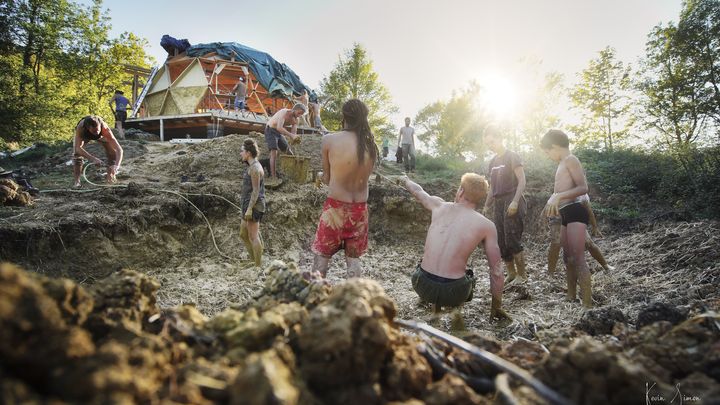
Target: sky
422	50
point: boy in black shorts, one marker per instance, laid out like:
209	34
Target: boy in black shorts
570	185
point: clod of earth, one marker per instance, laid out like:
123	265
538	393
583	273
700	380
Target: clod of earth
301	341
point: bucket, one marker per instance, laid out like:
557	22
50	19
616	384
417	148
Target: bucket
295	168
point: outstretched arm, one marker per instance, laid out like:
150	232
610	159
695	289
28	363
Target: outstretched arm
428	201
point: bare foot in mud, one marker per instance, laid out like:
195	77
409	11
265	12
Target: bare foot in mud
457	323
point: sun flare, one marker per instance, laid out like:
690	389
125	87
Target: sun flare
499	96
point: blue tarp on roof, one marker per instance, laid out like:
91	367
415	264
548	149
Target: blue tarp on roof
276	77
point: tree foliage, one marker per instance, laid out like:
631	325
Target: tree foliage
453	128
353	77
540	108
681	75
602	97
58	63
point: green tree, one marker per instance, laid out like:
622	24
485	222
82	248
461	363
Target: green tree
453	128
698	37
539	110
353	77
672	90
602	97
58	62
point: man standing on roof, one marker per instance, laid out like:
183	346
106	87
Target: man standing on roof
348	159
304	99
275	133
315	113
120	111
240	94
93	128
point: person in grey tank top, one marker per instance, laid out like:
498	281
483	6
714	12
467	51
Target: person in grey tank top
253	201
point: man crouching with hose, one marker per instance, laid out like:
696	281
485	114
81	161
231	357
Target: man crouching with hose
93	128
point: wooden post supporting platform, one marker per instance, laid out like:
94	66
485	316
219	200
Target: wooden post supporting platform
162	131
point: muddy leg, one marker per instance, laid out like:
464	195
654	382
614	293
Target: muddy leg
354	268
570	270
553	256
255	241
519	260
77	170
555	243
321	264
510	266
246	240
457	322
575	240
273	159
595	252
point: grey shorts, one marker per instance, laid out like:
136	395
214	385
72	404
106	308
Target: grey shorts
257	216
275	140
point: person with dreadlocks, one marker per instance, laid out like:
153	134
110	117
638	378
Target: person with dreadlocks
348	159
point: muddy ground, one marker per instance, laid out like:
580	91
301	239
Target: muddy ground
664	273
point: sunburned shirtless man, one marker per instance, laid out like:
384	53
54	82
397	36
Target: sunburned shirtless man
275	133
456	229
348	159
570	184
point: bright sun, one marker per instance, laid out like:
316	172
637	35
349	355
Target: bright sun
499	96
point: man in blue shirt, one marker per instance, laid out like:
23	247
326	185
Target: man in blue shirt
120	111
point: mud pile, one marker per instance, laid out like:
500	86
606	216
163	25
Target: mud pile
304	342
301	342
12	194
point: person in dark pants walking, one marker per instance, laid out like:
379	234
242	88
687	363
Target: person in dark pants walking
507	184
406	140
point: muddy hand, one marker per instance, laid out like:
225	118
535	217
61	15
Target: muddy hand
248	215
512	208
551	208
486	211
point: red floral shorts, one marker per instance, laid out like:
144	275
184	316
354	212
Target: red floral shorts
342	225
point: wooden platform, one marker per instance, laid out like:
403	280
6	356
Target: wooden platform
204	125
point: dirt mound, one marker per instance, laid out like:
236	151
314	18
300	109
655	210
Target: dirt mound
13	195
303	341
113	344
219	158
600	321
